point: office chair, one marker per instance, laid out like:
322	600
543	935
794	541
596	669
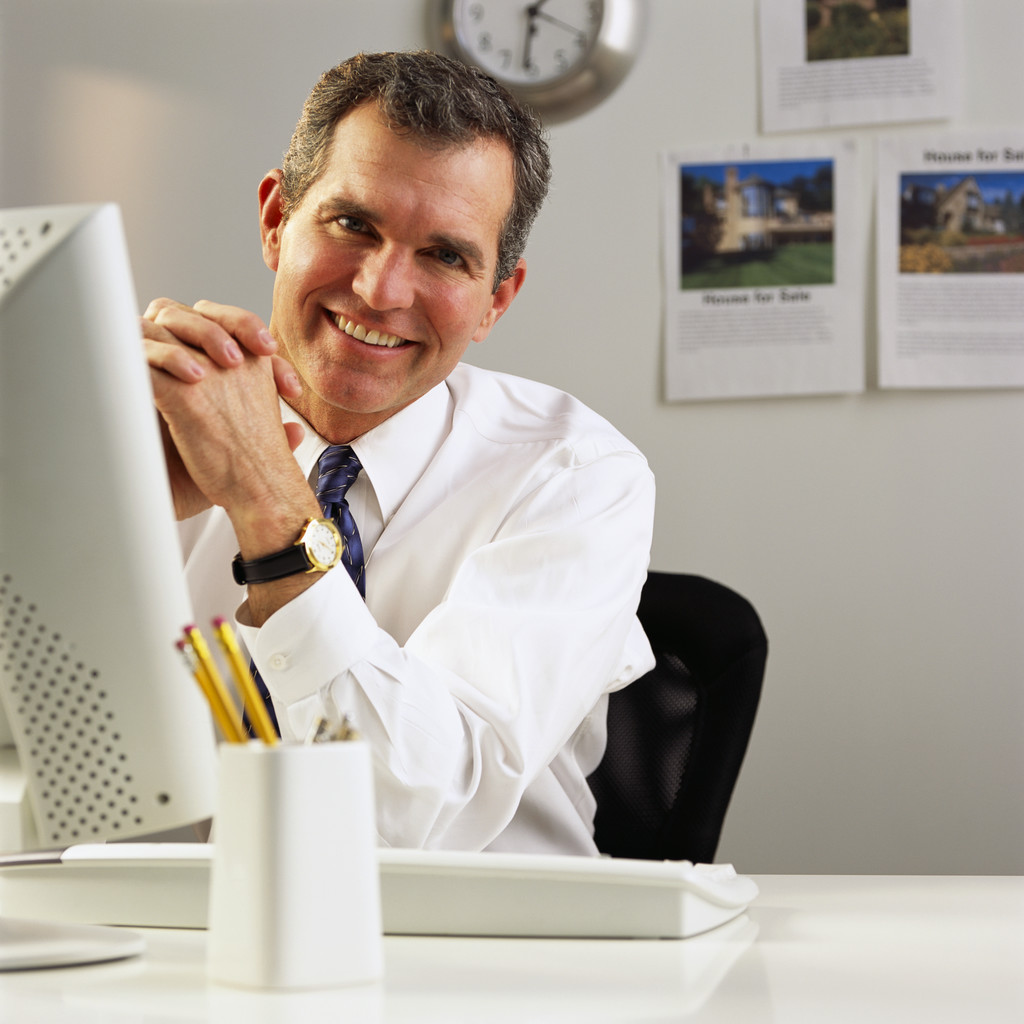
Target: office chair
677	736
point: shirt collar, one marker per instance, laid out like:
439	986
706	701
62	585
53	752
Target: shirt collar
394	454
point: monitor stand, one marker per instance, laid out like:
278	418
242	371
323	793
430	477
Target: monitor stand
35	944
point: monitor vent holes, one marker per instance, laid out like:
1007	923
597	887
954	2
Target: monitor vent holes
73	757
17	245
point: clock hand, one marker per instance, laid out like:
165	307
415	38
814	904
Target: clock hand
555	21
531	30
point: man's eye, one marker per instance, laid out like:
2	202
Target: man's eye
449	257
351	223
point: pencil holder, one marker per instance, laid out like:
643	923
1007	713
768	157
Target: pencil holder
294	891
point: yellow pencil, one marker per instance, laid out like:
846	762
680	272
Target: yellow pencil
213	686
220	713
254	705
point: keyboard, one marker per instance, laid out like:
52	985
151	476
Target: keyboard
422	892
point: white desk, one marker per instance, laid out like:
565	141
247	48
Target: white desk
811	948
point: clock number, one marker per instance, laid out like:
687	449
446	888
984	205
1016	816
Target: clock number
505	56
562	61
595	8
476	11
484	42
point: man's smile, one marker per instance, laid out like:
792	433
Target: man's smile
360	333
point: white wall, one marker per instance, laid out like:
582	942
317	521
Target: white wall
880	535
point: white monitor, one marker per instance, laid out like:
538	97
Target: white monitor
106	734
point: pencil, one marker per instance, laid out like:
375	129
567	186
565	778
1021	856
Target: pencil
220	713
254	705
212	685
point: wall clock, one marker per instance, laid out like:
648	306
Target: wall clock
562	57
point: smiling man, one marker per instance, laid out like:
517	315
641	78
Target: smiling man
385	270
497	531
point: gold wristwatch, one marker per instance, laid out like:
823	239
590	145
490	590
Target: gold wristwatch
318	549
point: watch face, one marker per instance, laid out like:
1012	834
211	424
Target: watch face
323	544
524	44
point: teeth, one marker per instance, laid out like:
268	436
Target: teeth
360	333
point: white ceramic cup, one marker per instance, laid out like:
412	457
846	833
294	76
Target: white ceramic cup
294	891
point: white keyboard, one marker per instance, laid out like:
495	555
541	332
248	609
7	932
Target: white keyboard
422	892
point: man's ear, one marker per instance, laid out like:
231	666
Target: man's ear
271	221
501	300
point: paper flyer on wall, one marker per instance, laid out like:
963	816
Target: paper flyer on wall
950	228
763	288
827	63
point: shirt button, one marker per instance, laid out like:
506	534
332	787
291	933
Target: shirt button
279	662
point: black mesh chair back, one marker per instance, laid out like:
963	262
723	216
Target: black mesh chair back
677	736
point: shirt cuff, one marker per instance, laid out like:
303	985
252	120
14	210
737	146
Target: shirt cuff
311	640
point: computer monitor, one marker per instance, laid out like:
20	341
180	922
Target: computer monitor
107	736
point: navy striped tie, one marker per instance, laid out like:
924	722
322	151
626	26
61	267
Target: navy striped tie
337	469
339	466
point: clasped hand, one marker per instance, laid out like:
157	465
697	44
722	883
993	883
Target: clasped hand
216	380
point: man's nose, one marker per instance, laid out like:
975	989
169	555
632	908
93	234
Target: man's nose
384	279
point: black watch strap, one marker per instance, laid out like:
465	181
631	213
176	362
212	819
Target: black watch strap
289	562
318	549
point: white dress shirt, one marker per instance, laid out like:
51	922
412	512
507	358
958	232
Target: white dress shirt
506	530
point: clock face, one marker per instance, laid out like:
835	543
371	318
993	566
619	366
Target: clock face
561	57
524	44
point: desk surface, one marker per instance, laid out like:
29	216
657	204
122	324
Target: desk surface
811	948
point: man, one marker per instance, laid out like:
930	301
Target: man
505	528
